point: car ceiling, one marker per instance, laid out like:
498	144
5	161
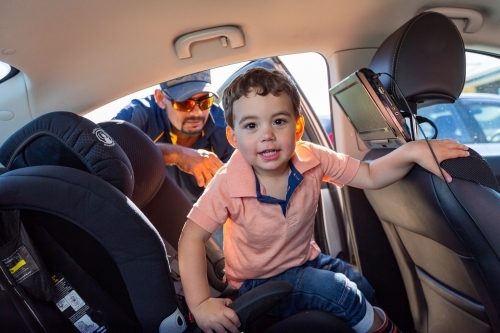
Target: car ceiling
78	55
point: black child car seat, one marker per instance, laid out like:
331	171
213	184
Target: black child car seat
107	261
90	236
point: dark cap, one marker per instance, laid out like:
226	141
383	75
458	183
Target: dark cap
182	88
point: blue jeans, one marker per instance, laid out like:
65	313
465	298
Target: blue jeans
326	284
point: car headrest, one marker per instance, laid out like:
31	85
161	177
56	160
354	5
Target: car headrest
426	57
145	156
66	139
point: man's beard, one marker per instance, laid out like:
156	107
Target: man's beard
195	132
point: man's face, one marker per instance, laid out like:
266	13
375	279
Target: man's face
188	123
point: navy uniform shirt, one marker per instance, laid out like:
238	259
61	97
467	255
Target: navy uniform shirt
150	118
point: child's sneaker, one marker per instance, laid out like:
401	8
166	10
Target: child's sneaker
388	326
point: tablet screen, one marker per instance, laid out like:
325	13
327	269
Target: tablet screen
361	109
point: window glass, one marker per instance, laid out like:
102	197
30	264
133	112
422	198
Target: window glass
310	72
475	117
4	70
486	114
446	119
308	69
108	111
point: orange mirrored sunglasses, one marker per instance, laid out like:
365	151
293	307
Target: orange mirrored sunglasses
189	104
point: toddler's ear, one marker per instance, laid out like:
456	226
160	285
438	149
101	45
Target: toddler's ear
231	137
299	128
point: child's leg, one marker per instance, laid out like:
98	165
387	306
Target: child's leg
381	322
318	285
321	289
339	266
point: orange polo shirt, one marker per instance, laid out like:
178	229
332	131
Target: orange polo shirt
259	241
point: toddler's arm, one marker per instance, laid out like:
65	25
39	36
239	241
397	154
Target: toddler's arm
211	314
394	166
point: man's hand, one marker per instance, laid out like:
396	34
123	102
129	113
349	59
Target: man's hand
213	315
202	164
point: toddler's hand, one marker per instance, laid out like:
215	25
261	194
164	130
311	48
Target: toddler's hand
443	149
213	315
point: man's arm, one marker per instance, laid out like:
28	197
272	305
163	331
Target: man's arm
394	166
135	112
211	314
202	164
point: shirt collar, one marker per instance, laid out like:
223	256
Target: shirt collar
241	178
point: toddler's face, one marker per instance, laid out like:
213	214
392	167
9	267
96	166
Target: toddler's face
265	131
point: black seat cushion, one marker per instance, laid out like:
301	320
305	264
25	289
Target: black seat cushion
145	157
473	168
90	223
66	139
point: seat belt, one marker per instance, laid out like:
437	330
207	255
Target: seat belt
21	264
173	260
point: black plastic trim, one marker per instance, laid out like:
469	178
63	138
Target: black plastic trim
452	296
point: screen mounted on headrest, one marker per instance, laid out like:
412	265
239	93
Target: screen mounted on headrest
371	110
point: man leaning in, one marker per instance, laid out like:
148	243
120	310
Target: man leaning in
179	118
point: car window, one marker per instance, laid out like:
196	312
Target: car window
309	70
4	69
487	115
108	111
447	120
475	117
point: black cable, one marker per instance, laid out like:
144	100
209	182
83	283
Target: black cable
414	118
440	170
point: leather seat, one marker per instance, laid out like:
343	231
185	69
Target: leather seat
445	236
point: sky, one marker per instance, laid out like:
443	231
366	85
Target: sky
308	69
477	63
4	69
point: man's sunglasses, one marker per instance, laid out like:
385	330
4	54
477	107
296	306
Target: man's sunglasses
189	104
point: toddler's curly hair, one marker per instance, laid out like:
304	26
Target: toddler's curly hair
263	82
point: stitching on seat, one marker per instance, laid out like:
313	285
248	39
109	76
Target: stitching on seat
396	54
395	59
492	192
